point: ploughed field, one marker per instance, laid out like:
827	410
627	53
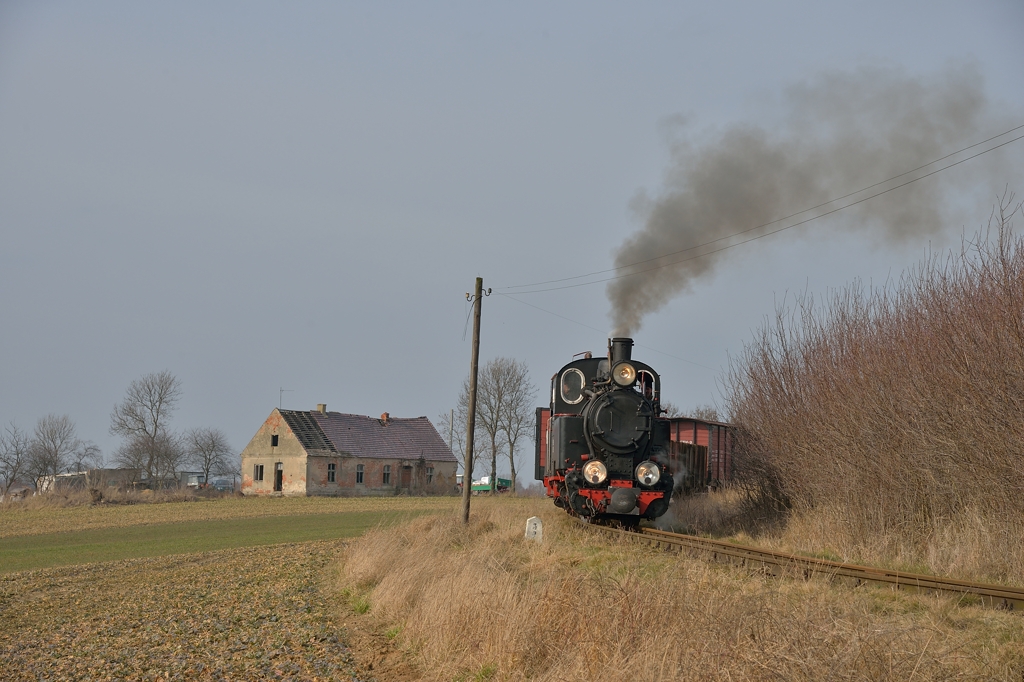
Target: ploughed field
220	589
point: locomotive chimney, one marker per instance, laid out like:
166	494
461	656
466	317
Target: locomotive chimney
619	350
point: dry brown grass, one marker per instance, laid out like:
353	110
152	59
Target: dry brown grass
965	547
890	422
483	603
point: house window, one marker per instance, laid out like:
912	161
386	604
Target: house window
330	472
273	441
257	472
430	474
359	473
387	474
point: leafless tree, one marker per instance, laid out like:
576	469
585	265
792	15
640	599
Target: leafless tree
706	412
208	450
53	447
87	456
142	420
453	429
156	458
147	406
670	409
490	394
516	412
13	456
504	412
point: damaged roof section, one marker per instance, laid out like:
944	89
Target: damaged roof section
307	430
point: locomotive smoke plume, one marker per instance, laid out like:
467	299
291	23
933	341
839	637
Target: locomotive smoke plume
839	133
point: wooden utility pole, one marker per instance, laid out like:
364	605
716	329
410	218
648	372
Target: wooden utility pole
467	469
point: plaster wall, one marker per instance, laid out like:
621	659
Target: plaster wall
288	452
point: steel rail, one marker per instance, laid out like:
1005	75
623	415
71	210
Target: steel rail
779	563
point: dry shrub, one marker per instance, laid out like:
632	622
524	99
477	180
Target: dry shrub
717	512
481	602
891	420
77	497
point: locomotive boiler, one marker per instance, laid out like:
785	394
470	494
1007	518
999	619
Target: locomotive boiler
606	455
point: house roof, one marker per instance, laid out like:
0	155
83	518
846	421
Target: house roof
361	436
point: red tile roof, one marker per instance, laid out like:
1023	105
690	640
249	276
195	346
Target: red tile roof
362	436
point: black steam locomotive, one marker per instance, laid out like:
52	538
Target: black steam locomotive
607	449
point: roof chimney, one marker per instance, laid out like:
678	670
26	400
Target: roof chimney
385	417
321	408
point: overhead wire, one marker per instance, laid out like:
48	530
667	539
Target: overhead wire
515	295
773	222
602	331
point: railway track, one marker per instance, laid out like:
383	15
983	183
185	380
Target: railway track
780	564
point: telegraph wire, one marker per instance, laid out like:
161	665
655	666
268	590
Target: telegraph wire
777	220
602	331
760	236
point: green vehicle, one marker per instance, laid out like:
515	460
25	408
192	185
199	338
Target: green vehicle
484	485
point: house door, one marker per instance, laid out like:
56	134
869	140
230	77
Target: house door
406	477
278	477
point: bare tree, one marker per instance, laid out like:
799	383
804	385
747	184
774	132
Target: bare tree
157	458
453	430
208	450
142	420
490	395
87	456
703	412
53	447
670	409
13	456
516	412
504	413
706	412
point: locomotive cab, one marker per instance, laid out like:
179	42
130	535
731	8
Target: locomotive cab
607	446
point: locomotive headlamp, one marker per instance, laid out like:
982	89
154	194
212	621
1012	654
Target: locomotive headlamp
648	473
595	472
624	374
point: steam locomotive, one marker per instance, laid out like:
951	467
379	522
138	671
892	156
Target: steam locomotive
606	453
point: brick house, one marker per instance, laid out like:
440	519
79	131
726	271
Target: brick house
329	453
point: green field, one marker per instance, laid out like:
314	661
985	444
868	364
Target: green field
131	542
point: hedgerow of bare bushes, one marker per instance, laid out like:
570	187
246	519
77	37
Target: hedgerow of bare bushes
889	422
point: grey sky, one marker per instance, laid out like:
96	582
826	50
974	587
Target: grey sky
258	196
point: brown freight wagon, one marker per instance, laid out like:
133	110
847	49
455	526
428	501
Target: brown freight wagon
717	437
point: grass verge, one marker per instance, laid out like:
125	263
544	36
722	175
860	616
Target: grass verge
483	603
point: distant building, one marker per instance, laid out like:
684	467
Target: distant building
91	478
330	453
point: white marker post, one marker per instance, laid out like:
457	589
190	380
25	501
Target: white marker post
534	529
